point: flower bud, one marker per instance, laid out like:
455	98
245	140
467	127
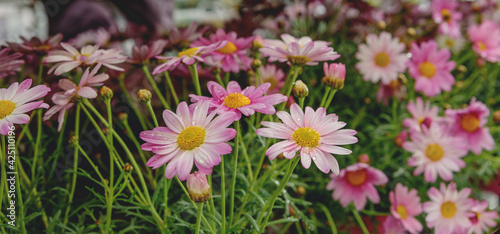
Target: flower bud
128	168
334	75
381	24
411	32
122	116
198	187
461	68
364	158
401	138
301	190
73	140
105	92
144	95
300	89
496	116
257	43
256	63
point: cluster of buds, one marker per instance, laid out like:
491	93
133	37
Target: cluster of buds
334	75
198	187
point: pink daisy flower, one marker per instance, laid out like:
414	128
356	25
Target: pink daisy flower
405	205
272	75
238	101
188	57
9	63
303	51
232	57
356	183
37	46
486	40
190	136
435	153
470	124
480	218
447	209
314	134
381	58
87	56
17	100
393	90
422	113
183	37
431	68
64	100
393	226
142	55
445	14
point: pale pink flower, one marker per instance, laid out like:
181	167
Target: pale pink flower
422	113
470	124
17	100
435	153
188	57
233	56
431	68
197	186
356	183
394	89
65	100
238	101
98	37
184	37
405	205
298	51
393	226
481	219
444	13
36	45
273	75
485	39
9	63
447	209
191	135
314	134
142	54
382	58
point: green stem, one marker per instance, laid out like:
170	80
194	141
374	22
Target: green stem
152	113
235	170
155	87
330	98
171	86
3	172
193	203
193	70
287	88
211	204
226	78
329	217
301	102
111	187
96	168
325	95
57	152
75	165
360	221
20	197
217	75
198	217
223	196
129	99
39	127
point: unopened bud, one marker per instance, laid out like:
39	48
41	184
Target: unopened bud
144	95
446	106
402	78
364	158
128	168
301	190
105	130
381	24
460	84
73	140
291	210
198	187
257	43
496	116
401	138
256	63
462	68
480	62
300	89
105	92
98	156
265	167
411	32
122	116
334	75
98	222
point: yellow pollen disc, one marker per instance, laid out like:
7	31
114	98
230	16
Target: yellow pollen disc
446	14
356	177
469	123
420	121
298	60
448	209
188	52
6	108
402	211
229	48
272	81
478	215
236	100
191	137
449	43
481	45
427	69
382	59
306	137
434	152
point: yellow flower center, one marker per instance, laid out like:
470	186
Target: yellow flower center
481	45
382	59
6	108
298	60
449	43
272	81
236	100
188	52
402	211
448	209
446	14
357	177
191	137
306	137
427	69
469	123
229	48
434	152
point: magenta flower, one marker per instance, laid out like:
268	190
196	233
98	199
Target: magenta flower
431	68
17	100
238	101
272	75
356	183
197	186
314	134
405	205
64	100
142	55
9	63
485	39
303	51
422	113
447	209
470	125
445	14
188	57
190	136
232	57
481	219
435	153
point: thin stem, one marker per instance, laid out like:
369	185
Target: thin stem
193	70
192	202
96	168
20	196
329	217
3	170
129	99
155	87
75	165
111	187
360	221
301	102
152	113
223	196
325	95
217	75
171	87
226	78
39	127
198	217
235	170
330	98
287	88
211	204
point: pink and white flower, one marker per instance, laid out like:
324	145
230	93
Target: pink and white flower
394	89
356	183
142	54
431	68
17	100
314	134
191	136
422	113
9	63
382	58
238	101
447	209
273	75
405	205
481	219
470	124
486	40
444	13
393	226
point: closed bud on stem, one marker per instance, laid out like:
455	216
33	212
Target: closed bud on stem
364	158
198	187
73	140
257	43
301	190
128	168
122	116
461	68
381	24
144	95
300	89
401	138
496	116
411	32
106	93
334	75
105	130
256	63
